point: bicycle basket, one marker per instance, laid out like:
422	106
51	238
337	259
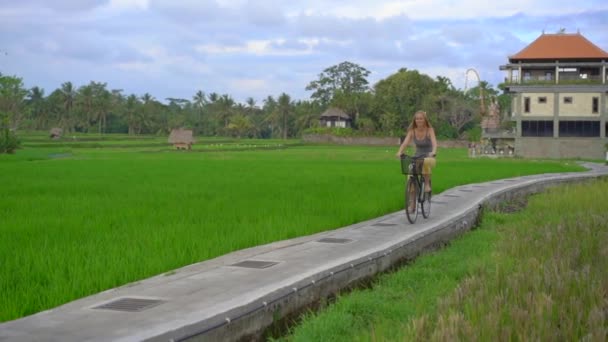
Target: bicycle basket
407	167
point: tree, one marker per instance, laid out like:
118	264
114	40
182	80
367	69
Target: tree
346	77
225	109
285	109
8	140
132	115
251	108
239	125
103	102
306	115
402	94
67	98
12	99
146	111
37	108
200	101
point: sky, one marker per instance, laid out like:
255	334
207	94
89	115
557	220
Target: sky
247	48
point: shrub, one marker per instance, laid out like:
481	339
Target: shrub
8	140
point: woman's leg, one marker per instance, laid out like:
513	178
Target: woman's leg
412	197
429	164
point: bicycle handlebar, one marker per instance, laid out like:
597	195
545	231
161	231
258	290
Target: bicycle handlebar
403	155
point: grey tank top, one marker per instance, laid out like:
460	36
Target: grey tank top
423	146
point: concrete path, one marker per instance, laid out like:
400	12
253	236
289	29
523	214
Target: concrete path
240	294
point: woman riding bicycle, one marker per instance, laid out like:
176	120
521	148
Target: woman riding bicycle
423	135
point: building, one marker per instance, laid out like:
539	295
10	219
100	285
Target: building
181	139
334	117
559	94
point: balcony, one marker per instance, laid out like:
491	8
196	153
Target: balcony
564	79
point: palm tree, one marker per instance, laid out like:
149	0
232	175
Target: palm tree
226	106
103	103
131	112
38	106
200	100
86	96
146	110
285	109
67	98
250	105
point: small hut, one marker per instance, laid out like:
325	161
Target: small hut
56	133
181	139
334	117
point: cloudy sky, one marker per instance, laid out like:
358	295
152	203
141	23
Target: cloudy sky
256	48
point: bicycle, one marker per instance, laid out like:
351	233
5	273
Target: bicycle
414	188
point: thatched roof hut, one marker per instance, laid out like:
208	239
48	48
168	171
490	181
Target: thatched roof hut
335	117
56	133
181	139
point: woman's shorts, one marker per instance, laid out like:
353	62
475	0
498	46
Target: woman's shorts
429	164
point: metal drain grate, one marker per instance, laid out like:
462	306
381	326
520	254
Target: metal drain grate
451	196
130	304
334	240
465	190
255	264
380	224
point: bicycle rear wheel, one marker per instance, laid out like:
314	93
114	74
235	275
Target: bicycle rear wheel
426	203
411	199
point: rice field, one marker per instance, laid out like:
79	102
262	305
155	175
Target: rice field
77	219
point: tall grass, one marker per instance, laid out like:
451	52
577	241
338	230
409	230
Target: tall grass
540	274
93	219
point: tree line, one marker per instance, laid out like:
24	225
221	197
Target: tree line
382	109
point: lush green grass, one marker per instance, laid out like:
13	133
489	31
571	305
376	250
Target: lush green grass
532	275
76	221
120	142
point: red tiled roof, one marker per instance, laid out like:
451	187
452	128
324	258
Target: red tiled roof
561	46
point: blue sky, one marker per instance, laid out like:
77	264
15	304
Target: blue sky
258	48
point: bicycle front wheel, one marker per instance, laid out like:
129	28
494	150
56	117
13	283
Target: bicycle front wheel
426	203
411	199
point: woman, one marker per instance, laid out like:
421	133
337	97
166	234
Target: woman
423	135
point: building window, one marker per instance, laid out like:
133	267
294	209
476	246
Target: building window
595	107
568	100
537	128
542	99
526	105
579	129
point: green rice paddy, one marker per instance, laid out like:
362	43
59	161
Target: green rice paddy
76	219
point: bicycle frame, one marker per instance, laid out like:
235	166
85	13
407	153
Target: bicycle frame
416	180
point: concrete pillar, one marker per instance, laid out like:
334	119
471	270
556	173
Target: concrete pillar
603	115
520	75
556	115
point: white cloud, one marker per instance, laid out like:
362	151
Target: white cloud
265	47
439	9
274	47
128	4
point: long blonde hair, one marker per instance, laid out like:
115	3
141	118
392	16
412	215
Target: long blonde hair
413	123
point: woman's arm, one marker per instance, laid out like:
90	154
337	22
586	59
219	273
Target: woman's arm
433	142
404	144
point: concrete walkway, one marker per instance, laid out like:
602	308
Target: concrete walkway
240	294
